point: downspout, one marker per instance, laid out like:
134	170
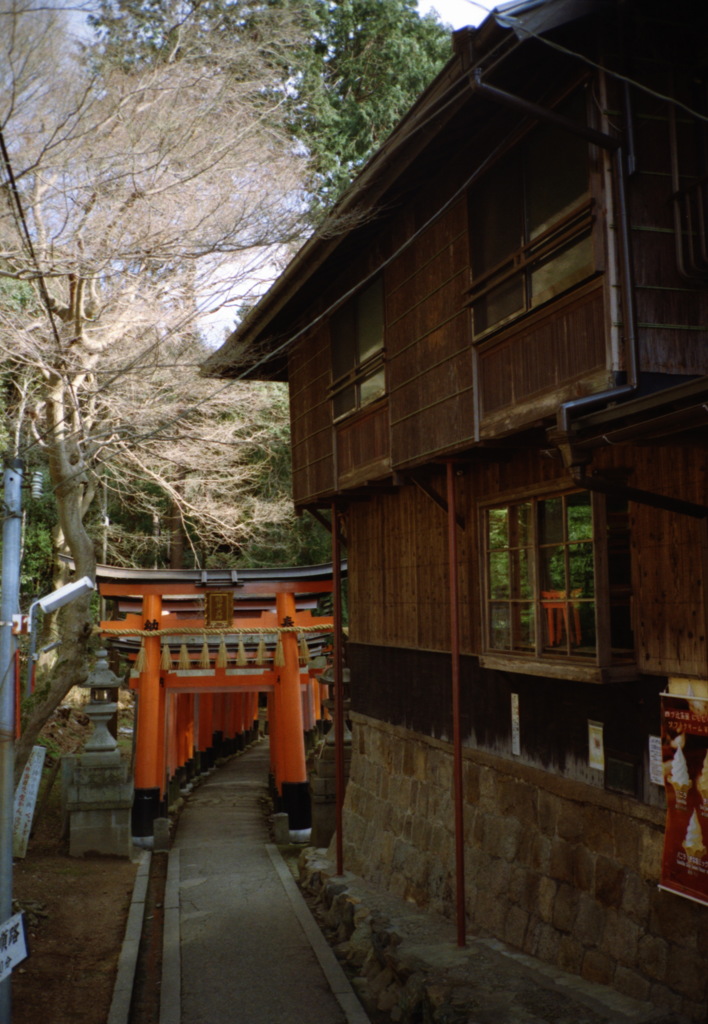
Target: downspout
456	725
612	145
338	689
587	402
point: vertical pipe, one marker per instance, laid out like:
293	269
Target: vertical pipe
338	688
9	606
456	726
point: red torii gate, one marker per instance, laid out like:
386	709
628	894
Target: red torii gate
196	700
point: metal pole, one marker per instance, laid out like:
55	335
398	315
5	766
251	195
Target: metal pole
9	606
456	729
338	688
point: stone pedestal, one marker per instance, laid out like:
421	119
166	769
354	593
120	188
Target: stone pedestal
99	799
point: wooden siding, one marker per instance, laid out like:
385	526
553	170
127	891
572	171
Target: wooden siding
428	355
363	447
413	689
529	369
398	576
670	564
311	418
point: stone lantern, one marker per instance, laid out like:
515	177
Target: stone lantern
103	686
99	794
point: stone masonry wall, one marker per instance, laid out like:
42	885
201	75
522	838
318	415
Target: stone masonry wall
558	869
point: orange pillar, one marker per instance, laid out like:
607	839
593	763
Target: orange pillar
240	709
189	733
150	738
253	720
184	719
275	760
293	786
206	730
219	723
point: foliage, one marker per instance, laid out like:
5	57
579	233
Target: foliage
139	189
364	64
347	76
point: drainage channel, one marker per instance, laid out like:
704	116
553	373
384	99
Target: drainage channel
145	1001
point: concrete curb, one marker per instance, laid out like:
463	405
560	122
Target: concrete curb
171	983
125	976
336	978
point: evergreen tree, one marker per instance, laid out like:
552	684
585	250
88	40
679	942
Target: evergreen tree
364	65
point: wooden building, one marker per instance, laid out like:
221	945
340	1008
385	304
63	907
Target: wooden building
496	352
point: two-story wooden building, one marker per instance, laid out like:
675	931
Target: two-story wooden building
496	351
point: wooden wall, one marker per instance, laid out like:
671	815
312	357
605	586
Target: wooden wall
670	563
398	570
428	355
311	417
528	370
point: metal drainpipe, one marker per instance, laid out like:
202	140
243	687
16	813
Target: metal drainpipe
338	689
630	334
456	725
620	157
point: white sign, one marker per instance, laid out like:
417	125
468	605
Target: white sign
656	771
25	800
13	945
596	746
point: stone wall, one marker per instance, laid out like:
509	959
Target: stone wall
558	869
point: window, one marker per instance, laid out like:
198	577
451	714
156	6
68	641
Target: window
356	337
542	560
530	223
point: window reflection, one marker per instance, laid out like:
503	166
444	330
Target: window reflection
541	568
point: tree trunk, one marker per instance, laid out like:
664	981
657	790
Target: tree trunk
75	623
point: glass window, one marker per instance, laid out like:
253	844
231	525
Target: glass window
530	225
540	560
510	578
356	342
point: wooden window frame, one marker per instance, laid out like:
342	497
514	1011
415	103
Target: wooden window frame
570	227
603	665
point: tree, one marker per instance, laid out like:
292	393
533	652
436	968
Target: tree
362	66
129	195
358	67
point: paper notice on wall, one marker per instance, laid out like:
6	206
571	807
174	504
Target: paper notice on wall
684	744
596	746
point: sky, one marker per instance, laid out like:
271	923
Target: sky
457	13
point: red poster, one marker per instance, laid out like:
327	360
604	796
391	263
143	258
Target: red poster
684	747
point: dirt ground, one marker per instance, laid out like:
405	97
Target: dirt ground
75	913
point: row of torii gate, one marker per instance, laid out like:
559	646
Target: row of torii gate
203	648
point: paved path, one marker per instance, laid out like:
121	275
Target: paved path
236	927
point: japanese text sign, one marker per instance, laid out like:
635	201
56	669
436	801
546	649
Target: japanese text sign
684	744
